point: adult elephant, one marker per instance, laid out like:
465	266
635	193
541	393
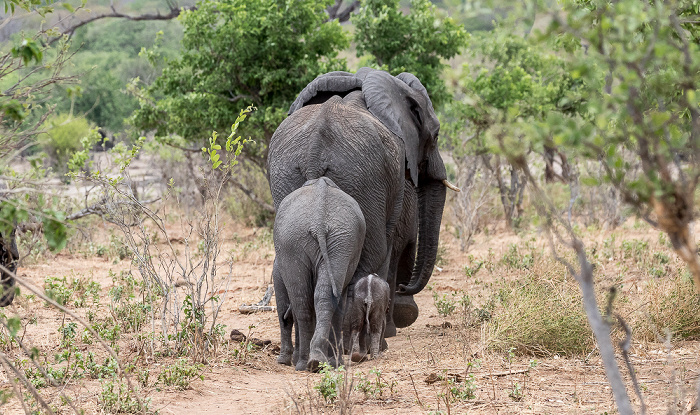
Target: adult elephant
368	132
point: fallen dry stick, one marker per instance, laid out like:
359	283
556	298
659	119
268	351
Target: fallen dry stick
261	305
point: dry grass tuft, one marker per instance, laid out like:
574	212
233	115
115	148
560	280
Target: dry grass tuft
673	304
540	314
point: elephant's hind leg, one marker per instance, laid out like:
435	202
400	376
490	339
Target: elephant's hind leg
324	319
286	319
304	325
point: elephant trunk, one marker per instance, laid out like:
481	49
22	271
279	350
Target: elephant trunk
431	202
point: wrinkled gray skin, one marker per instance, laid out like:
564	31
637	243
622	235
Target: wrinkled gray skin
366	312
319	232
368	132
403	310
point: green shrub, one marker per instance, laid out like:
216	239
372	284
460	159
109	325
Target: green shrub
116	397
462	391
374	385
331	383
540	316
635	249
62	139
514	259
445	305
132	316
180	374
78	290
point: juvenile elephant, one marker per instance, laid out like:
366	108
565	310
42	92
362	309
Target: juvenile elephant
368	132
318	235
366	312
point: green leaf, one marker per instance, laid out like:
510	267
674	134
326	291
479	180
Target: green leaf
28	50
590	181
14	324
55	232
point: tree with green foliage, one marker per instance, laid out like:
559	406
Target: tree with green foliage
236	53
29	70
638	68
417	42
513	81
62	138
106	65
643	123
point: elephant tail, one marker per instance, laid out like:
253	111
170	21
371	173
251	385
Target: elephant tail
368	302
324	252
320	233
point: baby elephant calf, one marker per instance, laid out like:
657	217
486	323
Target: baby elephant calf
367	312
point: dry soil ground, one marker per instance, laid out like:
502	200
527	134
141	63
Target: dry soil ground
256	384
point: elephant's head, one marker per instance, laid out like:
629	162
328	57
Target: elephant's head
403	106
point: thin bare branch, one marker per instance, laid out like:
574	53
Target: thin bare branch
172	13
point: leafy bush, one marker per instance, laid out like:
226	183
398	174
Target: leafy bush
116	397
77	289
63	138
180	374
331	383
462	391
374	385
445	305
132	316
514	259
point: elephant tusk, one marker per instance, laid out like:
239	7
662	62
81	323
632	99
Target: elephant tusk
451	186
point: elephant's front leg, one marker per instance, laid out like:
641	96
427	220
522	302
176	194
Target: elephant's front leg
286	320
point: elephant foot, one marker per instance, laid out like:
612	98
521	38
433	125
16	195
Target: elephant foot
405	310
314	365
285	359
301	365
390	330
315	360
7	295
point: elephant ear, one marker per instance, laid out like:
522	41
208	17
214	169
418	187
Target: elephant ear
325	86
392	101
363	72
433	124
